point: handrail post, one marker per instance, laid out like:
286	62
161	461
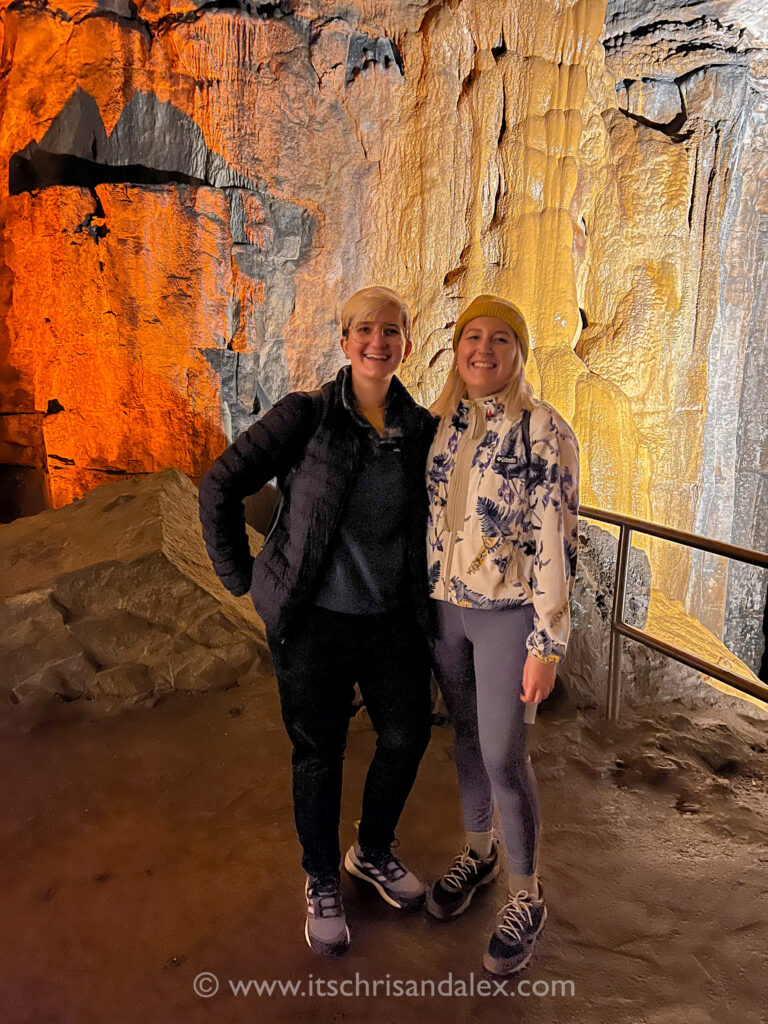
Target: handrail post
613	695
749	686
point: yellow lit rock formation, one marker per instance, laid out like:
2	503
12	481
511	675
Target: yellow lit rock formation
189	192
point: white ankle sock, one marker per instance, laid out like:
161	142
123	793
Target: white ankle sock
481	843
529	883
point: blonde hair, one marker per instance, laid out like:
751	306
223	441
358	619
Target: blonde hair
367	303
517	392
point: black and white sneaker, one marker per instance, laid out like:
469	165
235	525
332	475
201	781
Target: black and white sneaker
518	927
450	895
326	929
395	884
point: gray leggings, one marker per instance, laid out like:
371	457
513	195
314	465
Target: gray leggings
479	656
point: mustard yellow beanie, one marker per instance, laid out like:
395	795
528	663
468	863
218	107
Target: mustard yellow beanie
491	305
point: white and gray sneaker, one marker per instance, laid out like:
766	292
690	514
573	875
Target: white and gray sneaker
393	881
326	929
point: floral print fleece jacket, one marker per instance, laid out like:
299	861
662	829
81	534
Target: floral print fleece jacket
503	489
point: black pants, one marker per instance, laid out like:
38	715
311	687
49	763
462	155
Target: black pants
317	663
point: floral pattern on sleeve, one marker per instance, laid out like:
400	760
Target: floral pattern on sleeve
554	505
439	470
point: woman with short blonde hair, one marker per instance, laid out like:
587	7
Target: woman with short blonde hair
340	585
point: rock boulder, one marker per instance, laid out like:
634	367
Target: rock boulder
114	597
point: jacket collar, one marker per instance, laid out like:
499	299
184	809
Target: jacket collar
396	415
490	407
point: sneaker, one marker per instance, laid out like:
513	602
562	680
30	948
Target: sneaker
451	894
326	929
395	884
518	927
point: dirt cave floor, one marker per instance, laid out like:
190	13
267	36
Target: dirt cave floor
145	848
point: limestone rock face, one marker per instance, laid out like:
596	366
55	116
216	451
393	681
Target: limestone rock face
191	190
673	179
114	597
194	190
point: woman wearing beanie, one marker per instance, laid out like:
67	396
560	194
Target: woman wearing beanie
340	586
502	477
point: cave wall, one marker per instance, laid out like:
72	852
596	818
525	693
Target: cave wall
188	193
227	174
689	144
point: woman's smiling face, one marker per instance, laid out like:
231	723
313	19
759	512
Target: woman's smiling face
487	355
376	345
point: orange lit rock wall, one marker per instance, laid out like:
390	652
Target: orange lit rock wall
188	192
266	166
115	340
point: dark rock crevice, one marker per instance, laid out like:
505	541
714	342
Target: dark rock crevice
125	12
671	130
279	10
42	169
699	33
21	491
152	143
503	125
94	225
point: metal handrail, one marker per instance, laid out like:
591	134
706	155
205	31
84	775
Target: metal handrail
619	628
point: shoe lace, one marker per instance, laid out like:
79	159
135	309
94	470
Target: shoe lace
515	916
461	870
325	895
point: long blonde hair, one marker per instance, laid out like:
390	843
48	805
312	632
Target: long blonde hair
518	391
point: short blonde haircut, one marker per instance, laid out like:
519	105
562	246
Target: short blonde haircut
367	303
518	391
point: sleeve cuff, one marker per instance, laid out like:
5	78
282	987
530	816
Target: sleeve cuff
548	659
239	583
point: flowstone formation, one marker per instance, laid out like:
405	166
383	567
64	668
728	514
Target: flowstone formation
674	159
190	191
190	206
